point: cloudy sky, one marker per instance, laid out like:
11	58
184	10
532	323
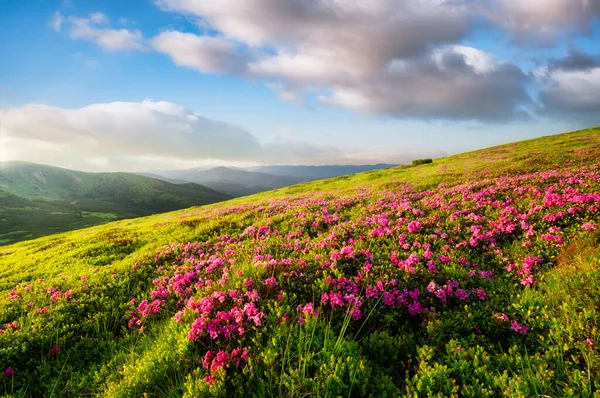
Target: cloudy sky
149	84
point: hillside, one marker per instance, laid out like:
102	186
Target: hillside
477	275
37	200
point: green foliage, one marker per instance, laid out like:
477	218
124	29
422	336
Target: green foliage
418	162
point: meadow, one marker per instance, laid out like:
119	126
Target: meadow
476	275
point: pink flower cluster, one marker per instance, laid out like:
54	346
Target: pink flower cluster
214	361
526	269
514	324
408	264
144	309
7	327
451	288
588	226
217	320
306	311
13	295
56	295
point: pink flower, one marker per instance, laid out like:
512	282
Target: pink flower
252	295
500	317
220	361
55	349
335	299
441	294
42	310
208	358
432	287
14	325
13	295
367	267
415	308
522	329
480	293
528	280
245	355
210	379
10	371
461	294
306	311
445	259
588	226
271	281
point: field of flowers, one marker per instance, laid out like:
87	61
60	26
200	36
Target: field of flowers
481	283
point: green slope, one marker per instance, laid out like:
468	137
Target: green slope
148	233
386	353
38	200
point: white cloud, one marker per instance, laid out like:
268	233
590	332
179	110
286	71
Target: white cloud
480	61
57	21
95	28
140	130
133	136
393	57
571	87
401	58
204	53
573	92
544	20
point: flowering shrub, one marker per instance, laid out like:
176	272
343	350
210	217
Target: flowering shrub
356	293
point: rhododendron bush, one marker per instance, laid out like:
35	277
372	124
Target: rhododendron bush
362	292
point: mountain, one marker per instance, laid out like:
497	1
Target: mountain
237	181
475	275
233	181
319	172
37	199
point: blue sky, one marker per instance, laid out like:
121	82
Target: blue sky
144	84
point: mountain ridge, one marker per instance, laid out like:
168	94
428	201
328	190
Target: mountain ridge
53	199
237	181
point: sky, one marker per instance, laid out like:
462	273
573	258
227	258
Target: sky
170	84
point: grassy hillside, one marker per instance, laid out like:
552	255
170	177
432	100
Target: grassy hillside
476	275
37	200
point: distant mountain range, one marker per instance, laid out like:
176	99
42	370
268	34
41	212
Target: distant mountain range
236	181
37	200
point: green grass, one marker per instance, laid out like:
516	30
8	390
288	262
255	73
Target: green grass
385	353
578	147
